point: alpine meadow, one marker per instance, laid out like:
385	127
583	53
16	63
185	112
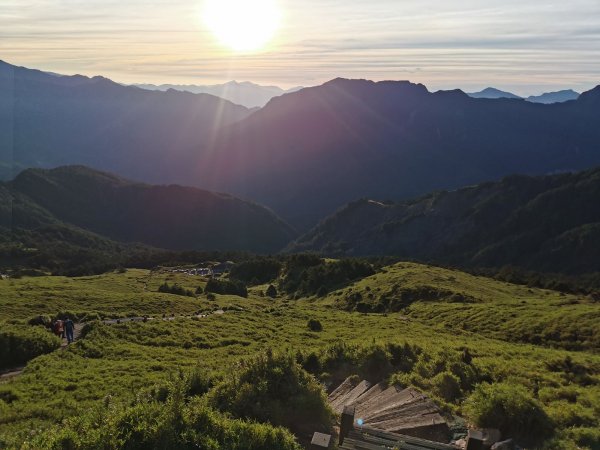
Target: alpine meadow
286	225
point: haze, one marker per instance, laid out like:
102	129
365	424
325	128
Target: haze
523	46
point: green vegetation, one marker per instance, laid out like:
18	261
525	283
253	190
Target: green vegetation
176	290
306	274
257	270
314	325
511	409
271	291
277	390
542	224
178	421
483	346
19	344
90	201
226	287
452	299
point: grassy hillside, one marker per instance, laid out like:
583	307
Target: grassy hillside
441	315
450	299
538	223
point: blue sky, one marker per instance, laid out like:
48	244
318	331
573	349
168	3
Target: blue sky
527	46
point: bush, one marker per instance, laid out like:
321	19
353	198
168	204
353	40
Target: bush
310	275
197	383
314	325
19	344
45	321
511	409
271	291
173	423
175	289
274	388
373	362
256	271
226	287
447	386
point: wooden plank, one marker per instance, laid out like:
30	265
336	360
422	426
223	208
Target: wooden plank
407	439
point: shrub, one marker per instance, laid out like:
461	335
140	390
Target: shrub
197	383
175	289
256	271
511	409
311	363
374	362
226	287
309	274
171	424
447	386
271	291
403	357
274	388
314	325
19	344
45	321
588	437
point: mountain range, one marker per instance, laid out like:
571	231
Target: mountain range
48	120
246	93
547	98
548	223
83	201
305	153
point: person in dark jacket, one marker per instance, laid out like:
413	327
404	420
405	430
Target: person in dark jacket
69	327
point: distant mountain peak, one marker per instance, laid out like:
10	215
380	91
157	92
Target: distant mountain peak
554	97
493	93
490	90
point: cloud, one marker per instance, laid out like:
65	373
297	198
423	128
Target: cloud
524	45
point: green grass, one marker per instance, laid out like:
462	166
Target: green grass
120	361
492	308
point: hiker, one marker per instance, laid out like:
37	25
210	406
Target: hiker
58	328
69	329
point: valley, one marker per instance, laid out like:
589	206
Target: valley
230	254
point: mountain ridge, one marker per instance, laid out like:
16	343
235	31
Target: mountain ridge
245	93
305	153
48	121
546	97
171	217
327	145
541	223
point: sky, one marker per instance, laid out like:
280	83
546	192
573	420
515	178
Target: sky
525	46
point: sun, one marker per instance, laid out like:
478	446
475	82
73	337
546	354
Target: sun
242	25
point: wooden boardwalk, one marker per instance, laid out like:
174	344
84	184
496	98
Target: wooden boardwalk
392	409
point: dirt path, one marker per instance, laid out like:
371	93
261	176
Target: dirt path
10	373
